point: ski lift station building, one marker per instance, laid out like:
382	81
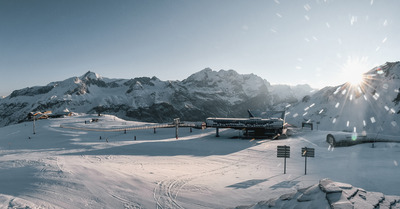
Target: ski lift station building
271	126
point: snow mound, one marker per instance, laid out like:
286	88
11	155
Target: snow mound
329	194
7	201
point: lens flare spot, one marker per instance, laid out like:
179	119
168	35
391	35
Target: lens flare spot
376	96
330	148
354	136
307	7
372	120
379	71
327	25
337	91
359	89
363	133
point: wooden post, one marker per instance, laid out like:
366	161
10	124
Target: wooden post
305	166
283	152
34	125
307	152
176	131
284	170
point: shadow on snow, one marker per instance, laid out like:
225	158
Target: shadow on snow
202	146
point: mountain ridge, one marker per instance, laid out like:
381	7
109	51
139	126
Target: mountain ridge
373	106
203	94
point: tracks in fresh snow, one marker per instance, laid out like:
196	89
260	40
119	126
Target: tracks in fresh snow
167	191
127	203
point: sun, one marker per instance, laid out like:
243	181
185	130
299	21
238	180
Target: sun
353	71
356	79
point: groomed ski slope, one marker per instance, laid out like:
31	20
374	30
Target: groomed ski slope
66	168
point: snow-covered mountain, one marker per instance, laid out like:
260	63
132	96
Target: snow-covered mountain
372	106
289	94
204	94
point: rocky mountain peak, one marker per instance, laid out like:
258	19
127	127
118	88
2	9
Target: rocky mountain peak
208	74
91	76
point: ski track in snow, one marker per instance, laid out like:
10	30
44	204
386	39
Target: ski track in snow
166	192
127	203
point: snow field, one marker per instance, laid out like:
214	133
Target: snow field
65	168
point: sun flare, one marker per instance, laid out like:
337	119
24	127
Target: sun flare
354	71
356	79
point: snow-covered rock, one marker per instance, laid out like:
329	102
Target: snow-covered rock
329	194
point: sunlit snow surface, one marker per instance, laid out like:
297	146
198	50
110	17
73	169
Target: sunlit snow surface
64	168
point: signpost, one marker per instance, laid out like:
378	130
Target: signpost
283	152
307	152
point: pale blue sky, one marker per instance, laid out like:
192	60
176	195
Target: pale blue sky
292	42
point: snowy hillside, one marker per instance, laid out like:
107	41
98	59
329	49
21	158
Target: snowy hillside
372	106
204	94
67	168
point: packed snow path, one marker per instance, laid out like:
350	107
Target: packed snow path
65	168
